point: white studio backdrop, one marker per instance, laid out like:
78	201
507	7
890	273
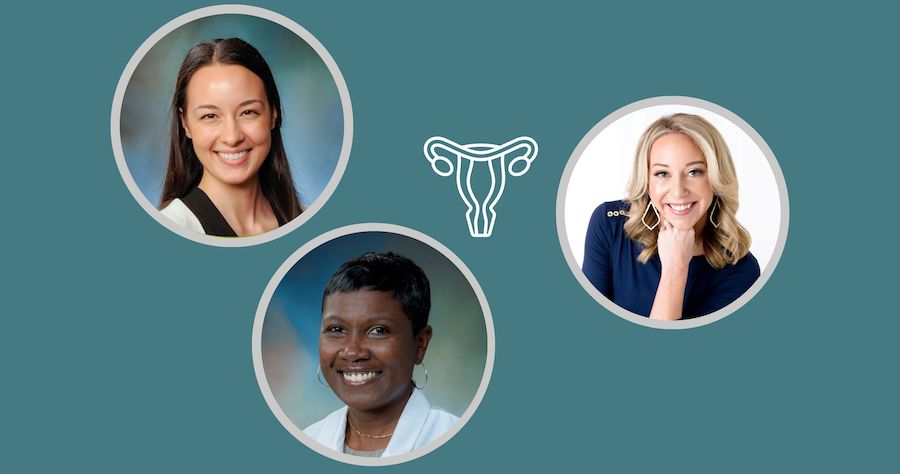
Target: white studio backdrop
601	174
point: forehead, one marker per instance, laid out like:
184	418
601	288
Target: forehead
364	305
674	149
224	83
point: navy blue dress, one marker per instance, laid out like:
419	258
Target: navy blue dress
611	265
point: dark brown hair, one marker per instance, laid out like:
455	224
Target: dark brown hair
184	170
391	272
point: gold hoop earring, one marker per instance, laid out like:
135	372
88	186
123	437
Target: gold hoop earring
318	373
426	377
643	217
713	211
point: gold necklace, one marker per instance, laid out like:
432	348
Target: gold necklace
366	435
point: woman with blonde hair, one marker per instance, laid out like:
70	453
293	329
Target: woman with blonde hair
673	249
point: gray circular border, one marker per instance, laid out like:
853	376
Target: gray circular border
116	114
267	298
564	185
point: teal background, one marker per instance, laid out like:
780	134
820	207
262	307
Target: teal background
126	348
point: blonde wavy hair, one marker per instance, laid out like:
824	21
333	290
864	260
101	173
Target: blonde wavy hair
722	246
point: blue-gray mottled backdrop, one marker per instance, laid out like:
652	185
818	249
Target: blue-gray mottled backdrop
312	121
455	358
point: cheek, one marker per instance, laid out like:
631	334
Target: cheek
201	137
704	189
260	132
326	352
654	190
403	357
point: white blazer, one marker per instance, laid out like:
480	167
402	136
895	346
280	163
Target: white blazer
179	213
419	425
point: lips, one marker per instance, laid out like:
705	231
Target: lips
233	157
358	377
681	209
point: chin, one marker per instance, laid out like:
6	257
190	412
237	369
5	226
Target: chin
684	225
237	179
680	222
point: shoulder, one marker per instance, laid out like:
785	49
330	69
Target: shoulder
436	418
440	417
611	210
437	422
179	213
326	426
734	280
608	219
748	265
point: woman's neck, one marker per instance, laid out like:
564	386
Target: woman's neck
243	206
374	425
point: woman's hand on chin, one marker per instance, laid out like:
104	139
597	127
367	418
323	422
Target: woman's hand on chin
676	247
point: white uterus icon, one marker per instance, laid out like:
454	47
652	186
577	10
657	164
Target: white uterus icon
448	157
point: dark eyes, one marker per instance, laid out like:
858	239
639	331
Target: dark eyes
373	331
249	113
379	331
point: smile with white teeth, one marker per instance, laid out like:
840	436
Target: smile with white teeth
681	207
232	156
358	377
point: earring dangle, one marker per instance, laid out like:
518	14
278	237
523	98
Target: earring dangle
426	377
643	217
713	211
318	374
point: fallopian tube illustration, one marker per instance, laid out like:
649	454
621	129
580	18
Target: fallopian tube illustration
514	157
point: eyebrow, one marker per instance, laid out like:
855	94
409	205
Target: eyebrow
242	104
375	319
698	162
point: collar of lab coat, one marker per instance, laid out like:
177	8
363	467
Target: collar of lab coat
409	426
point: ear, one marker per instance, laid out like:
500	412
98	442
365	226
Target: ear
187	131
422	340
274	118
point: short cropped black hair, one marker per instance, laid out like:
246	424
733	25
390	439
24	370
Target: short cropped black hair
387	271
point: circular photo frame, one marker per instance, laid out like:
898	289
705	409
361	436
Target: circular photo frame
314	127
303	350
598	172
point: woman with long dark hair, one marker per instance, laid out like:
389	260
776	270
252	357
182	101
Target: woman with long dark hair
228	174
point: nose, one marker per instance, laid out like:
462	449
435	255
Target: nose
231	132
679	186
355	349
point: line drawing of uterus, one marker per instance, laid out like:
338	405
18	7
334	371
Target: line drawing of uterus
513	157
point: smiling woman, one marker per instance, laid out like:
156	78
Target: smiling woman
228	173
374	332
673	249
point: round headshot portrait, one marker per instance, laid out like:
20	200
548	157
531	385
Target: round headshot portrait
231	125
672	212
373	344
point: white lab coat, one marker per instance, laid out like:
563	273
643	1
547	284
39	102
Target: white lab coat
419	425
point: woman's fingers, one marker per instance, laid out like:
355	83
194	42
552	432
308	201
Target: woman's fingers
675	246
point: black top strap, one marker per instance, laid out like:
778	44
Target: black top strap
209	216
